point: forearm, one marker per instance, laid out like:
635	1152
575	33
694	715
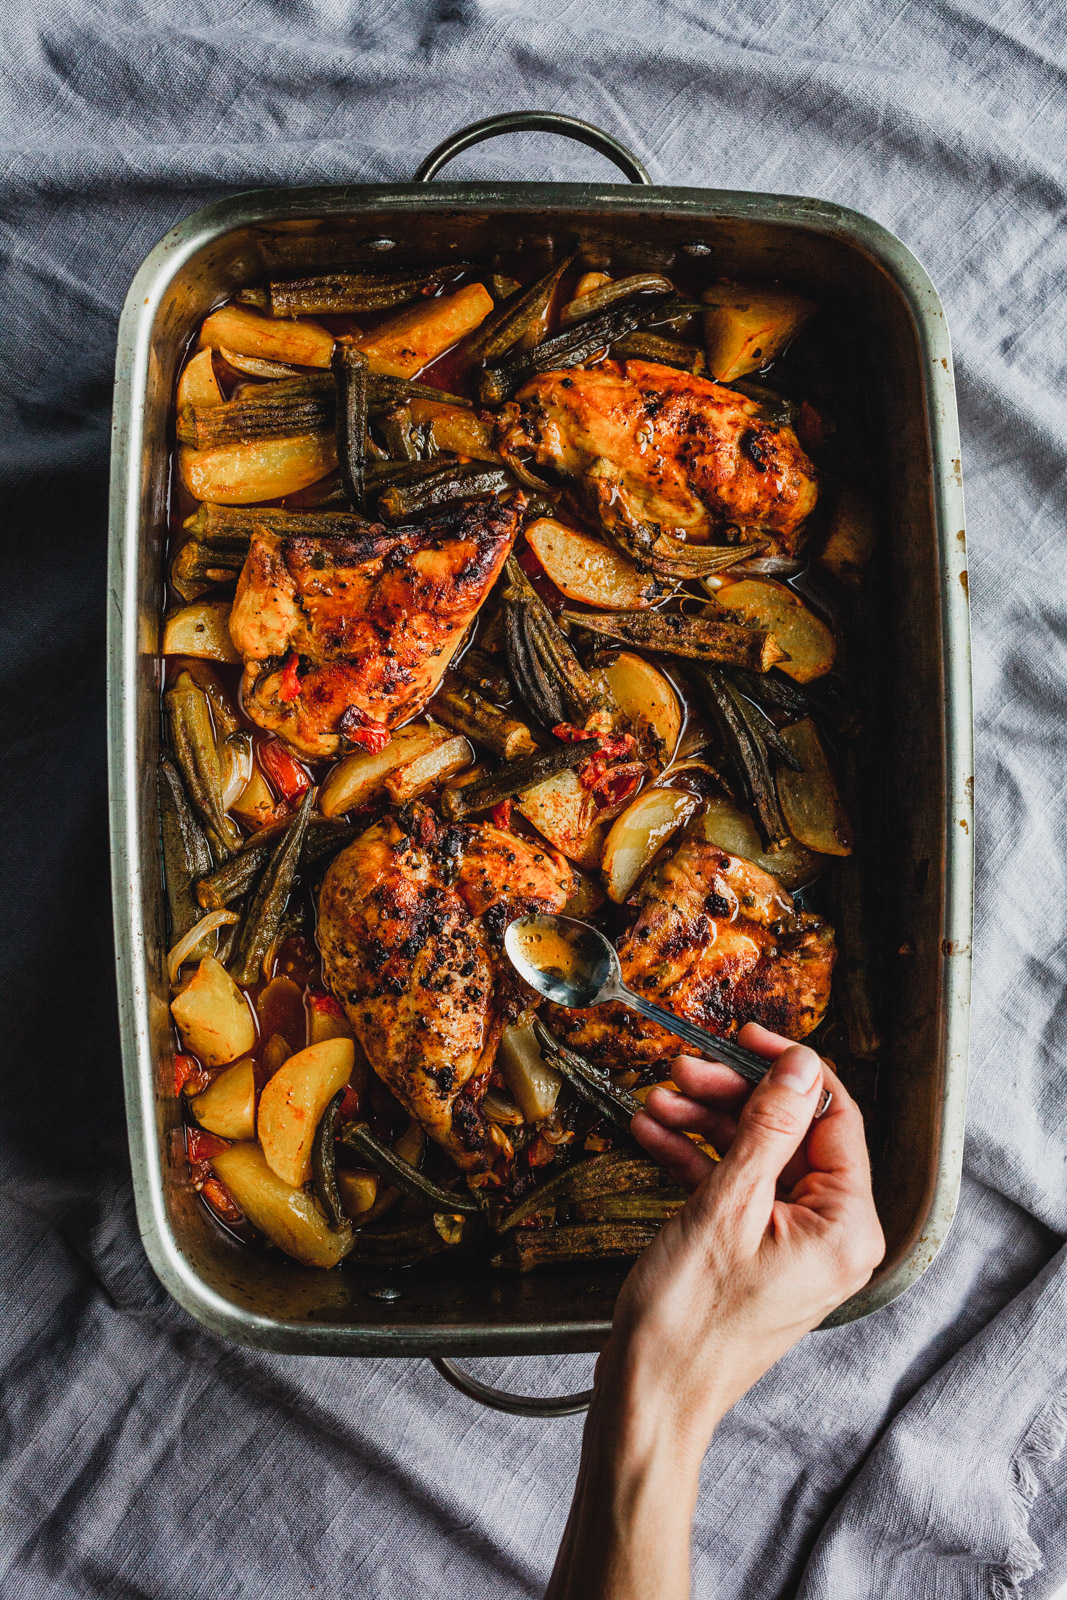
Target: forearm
628	1534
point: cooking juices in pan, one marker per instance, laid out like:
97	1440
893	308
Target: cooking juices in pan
505	587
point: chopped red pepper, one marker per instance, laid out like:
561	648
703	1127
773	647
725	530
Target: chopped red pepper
501	815
188	1071
282	770
325	1004
373	736
617	784
349	1106
539	1152
221	1200
202	1146
571	732
289	688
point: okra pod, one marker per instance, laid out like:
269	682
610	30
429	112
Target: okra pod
537	689
644	346
696	638
400	436
358	1138
476	668
323	839
612	293
350	411
330	293
193	740
186	853
573	345
581	1241
200	566
543	664
747	755
384	392
295	405
402	1246
517	317
452	485
231	527
471	798
611	1173
324	1165
770	689
465	711
262	917
630	1207
592	1083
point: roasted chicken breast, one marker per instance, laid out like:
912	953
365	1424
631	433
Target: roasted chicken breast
718	941
341	633
658	451
411	924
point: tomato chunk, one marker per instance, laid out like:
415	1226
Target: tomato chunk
282	771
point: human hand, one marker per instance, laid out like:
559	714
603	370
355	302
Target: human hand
774	1236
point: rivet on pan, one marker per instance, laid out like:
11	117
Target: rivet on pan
697	248
377	244
386	1293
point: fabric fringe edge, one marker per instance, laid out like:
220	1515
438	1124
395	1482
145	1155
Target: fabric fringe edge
1043	1445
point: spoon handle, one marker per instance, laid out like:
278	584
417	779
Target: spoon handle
746	1062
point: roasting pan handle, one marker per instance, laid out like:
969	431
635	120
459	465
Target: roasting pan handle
534	122
519	1405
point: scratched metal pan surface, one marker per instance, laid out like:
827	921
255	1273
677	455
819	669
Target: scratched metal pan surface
924	899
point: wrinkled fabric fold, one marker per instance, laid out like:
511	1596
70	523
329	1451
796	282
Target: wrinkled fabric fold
918	1453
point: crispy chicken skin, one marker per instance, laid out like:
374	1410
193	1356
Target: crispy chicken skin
718	941
411	923
374	619
657	447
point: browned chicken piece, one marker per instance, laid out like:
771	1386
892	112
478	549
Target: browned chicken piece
411	924
662	453
718	941
338	634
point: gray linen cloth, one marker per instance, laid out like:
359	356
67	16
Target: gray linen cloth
915	1454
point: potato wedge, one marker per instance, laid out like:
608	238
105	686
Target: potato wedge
293	1102
647	700
852	537
405	344
247	333
228	1106
359	1190
565	814
429	768
733	830
288	1216
454	428
588	570
533	1083
810	801
326	1020
213	1016
804	637
259	469
203	630
198	385
358	777
745	327
635	837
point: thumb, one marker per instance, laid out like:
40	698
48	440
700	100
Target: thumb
773	1123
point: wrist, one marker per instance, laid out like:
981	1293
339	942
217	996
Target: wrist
642	1417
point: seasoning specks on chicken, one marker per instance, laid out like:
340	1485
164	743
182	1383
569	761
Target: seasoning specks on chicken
374	620
411	919
656	448
718	941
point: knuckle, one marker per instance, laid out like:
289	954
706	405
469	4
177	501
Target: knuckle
769	1116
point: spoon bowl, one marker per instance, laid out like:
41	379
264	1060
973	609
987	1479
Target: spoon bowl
566	961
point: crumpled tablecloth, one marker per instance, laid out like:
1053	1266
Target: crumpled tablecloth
914	1454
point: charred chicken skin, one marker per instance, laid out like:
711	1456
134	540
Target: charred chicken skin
661	454
411	923
339	635
718	941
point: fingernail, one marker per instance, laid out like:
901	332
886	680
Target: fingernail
799	1070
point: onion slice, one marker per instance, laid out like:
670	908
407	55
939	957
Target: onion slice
190	940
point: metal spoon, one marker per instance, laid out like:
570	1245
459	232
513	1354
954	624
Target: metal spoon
574	965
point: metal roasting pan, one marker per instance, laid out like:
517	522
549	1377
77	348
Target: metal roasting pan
839	256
